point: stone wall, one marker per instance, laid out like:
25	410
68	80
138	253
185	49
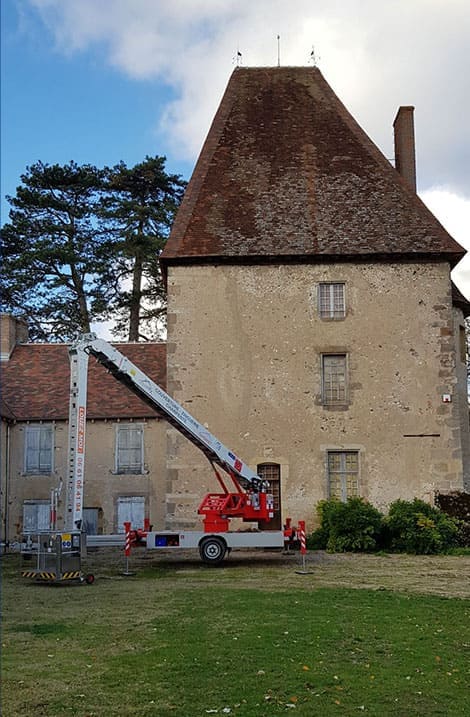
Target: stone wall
244	356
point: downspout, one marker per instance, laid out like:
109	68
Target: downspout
6	509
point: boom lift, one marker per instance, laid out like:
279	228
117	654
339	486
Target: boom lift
248	499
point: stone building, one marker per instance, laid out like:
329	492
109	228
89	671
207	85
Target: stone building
125	453
312	326
312	322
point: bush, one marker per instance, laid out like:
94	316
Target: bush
417	527
318	540
351	526
457	505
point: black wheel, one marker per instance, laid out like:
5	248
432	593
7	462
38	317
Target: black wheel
89	579
212	550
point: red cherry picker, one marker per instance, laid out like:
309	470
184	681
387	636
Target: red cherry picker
243	494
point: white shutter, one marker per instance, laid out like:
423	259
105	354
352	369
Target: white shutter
131	509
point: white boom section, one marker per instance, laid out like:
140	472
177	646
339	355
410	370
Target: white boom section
77	426
143	386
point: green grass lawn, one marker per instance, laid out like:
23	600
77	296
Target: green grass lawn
193	642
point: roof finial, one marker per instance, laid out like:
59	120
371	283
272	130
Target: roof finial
278	50
313	58
237	60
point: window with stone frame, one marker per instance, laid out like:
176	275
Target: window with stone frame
39	449
331	300
334	379
343	474
130	448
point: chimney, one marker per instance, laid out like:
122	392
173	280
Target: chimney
13	331
404	129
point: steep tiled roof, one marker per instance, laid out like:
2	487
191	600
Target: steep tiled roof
35	383
287	173
458	299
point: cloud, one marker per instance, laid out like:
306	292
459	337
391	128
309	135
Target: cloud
453	212
375	55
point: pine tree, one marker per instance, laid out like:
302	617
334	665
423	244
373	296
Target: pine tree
140	205
54	252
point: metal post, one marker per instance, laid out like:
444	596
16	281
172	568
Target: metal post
303	548
127	547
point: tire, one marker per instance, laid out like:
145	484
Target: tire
212	550
89	579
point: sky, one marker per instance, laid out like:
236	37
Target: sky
99	81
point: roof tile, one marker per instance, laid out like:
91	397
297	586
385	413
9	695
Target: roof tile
35	383
287	173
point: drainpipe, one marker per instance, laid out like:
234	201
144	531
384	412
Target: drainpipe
6	509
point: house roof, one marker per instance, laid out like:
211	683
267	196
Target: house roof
286	173
35	383
459	300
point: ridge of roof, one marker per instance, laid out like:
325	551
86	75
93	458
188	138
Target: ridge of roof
285	170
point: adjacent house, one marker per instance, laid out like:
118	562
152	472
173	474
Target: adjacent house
312	322
126	443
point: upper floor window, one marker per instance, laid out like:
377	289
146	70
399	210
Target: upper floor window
130	448
334	379
38	449
331	301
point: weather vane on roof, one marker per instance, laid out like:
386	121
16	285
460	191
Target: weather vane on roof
313	58
278	50
238	58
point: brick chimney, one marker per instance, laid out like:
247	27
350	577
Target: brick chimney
13	331
404	129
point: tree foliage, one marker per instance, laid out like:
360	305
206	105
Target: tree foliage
139	206
53	253
83	245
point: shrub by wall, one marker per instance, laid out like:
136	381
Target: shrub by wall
410	527
354	526
417	527
457	505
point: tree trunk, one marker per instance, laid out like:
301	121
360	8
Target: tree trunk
136	296
81	298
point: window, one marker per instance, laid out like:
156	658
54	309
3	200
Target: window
331	303
36	516
90	521
343	474
130	509
38	453
272	473
334	384
129	449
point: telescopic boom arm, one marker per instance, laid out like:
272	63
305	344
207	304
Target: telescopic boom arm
127	373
